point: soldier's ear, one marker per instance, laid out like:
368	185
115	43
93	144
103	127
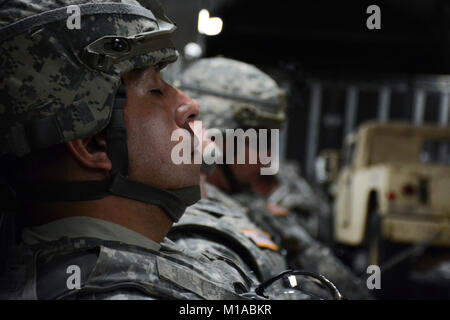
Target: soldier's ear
91	152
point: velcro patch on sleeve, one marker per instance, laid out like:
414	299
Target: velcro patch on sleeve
260	238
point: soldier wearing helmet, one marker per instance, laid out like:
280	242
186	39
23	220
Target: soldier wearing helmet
217	220
232	95
85	143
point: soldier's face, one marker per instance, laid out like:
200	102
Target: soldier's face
247	172
153	110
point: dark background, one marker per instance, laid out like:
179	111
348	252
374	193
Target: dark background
338	72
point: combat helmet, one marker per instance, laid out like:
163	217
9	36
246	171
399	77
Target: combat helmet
58	84
233	94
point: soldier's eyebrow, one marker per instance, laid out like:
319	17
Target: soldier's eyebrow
142	75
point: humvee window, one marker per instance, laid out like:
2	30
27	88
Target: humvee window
393	148
435	152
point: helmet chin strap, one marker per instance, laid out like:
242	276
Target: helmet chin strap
173	202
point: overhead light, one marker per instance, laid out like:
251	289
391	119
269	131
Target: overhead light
210	26
192	51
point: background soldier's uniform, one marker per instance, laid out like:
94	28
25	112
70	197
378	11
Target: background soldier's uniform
236	95
303	251
221	224
294	193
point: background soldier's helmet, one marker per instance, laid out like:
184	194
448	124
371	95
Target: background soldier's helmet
233	94
58	84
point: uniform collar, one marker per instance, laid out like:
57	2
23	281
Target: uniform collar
76	227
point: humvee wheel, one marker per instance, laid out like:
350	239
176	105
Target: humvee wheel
376	246
373	250
378	249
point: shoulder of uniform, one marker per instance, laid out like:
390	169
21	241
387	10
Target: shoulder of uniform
221	197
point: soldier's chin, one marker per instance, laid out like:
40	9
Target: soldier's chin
189	175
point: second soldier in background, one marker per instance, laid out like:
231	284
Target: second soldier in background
233	95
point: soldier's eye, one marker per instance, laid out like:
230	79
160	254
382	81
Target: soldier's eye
156	92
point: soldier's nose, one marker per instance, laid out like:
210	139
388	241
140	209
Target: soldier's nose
187	111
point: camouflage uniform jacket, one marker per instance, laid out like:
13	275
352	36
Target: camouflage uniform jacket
116	270
221	223
303	251
295	194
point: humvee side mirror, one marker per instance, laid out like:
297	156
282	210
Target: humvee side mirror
327	166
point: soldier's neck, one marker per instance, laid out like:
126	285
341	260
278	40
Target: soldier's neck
218	179
148	220
264	185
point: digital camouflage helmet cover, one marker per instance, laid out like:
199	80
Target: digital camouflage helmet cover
59	84
233	94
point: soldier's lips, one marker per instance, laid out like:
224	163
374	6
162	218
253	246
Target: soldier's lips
198	136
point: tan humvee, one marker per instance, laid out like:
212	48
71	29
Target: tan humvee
395	180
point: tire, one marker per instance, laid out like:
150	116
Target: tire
375	244
374	250
380	250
